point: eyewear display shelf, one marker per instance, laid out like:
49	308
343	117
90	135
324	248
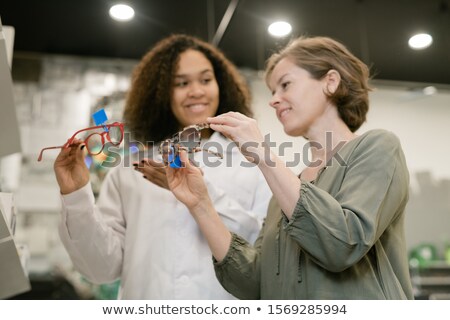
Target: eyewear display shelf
431	281
13	278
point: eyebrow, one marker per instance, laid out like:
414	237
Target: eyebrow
282	77
182	75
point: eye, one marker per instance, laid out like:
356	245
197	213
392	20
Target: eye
285	84
181	83
206	80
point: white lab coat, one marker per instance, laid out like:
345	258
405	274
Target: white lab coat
140	233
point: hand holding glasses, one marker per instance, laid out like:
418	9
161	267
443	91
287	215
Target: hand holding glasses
188	139
95	142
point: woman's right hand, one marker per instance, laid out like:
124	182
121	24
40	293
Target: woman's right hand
188	185
242	130
70	170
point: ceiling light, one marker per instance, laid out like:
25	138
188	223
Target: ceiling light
429	91
121	12
279	29
420	41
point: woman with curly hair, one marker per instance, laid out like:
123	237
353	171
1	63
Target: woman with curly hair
137	231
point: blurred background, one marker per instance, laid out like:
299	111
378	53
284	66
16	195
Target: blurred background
71	58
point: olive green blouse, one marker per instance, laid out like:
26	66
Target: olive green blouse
345	239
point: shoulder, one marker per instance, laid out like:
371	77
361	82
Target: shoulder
378	139
375	146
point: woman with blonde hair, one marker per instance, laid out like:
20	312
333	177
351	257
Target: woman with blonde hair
337	230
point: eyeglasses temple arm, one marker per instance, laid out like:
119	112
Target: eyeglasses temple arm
42	151
217	154
202	126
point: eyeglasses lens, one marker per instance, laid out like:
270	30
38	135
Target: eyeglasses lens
94	143
115	135
190	138
167	152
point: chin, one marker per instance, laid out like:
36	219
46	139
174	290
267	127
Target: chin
293	132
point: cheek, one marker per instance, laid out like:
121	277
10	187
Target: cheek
177	98
214	92
215	96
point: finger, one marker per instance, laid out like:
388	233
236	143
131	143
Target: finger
154	163
68	154
148	163
170	174
236	115
157	177
155	180
184	158
224	119
158	174
150	171
225	130
80	152
75	144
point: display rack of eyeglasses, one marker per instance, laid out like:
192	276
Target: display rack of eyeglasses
431	281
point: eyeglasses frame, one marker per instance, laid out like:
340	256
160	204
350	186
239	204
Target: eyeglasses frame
102	134
176	138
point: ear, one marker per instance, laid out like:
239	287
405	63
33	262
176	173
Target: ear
332	81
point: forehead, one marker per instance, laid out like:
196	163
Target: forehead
282	68
193	61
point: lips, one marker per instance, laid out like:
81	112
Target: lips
283	113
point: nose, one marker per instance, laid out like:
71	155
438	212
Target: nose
274	101
196	90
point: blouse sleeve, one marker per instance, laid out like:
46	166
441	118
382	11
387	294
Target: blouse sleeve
338	231
93	234
240	271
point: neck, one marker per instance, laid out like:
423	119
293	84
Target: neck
327	135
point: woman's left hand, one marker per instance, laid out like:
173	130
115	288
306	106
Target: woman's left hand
153	171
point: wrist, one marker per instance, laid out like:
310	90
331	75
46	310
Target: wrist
268	160
202	208
64	189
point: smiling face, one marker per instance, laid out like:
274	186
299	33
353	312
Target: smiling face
195	90
299	99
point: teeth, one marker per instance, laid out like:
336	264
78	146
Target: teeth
197	107
282	113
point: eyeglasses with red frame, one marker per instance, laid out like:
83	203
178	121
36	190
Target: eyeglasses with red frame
95	142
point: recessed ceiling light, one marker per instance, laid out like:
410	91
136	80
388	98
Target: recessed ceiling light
420	41
429	91
279	29
121	12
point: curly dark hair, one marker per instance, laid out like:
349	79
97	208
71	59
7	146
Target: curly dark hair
148	114
318	55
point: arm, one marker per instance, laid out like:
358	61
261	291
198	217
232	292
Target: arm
240	270
188	187
93	235
245	132
337	231
229	250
